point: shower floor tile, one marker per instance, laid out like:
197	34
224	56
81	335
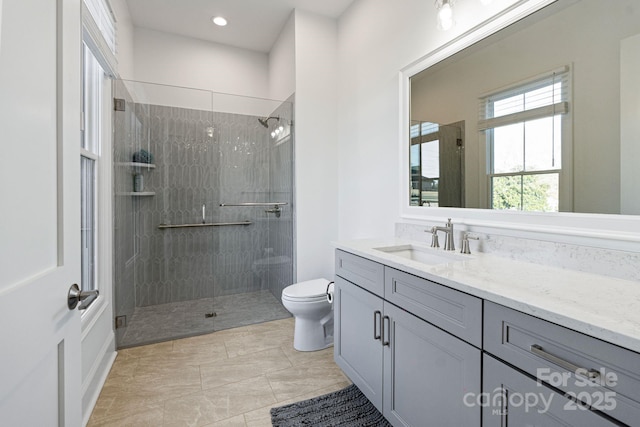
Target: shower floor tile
164	322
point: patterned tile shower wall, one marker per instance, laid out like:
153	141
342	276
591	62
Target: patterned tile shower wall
176	264
202	158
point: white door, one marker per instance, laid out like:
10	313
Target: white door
39	212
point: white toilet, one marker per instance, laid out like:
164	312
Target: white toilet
313	314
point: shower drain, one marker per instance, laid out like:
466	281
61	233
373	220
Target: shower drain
208	315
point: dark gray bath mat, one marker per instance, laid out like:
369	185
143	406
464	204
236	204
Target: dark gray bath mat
346	408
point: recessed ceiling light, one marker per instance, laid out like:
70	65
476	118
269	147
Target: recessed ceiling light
219	20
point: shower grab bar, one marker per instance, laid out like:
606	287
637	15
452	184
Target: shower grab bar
209	224
254	204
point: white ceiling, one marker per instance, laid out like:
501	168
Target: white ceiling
253	24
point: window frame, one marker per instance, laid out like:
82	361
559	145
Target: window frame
96	125
93	212
560	109
422	133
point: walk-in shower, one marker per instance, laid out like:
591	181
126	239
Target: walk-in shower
203	211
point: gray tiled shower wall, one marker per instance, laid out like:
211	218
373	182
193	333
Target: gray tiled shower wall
202	158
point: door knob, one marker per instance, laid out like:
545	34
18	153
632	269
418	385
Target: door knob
76	296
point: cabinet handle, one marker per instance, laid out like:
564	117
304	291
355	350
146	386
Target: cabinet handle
590	374
377	324
385	341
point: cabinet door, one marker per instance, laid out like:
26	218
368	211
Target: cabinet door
511	398
357	342
427	373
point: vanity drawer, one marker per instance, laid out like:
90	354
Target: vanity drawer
540	405
363	272
553	354
458	313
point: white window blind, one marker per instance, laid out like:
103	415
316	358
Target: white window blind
544	96
99	33
523	125
423	128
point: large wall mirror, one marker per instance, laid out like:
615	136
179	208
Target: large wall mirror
542	116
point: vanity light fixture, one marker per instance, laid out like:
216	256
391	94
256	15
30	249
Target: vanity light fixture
445	14
219	21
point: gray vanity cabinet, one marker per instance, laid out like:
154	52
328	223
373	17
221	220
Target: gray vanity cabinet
357	338
511	398
427	372
604	376
428	354
412	371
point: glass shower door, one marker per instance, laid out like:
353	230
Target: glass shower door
252	261
164	172
186	261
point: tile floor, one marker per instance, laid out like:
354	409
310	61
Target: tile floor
163	322
228	378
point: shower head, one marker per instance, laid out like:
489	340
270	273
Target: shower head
264	121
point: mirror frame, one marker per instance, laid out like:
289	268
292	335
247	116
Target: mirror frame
621	232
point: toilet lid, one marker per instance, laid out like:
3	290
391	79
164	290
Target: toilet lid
308	289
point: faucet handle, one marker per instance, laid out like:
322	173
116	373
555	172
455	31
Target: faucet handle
434	240
434	237
465	242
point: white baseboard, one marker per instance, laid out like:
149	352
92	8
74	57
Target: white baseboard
99	371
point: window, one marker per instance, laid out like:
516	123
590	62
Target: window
524	128
101	22
90	155
425	166
98	66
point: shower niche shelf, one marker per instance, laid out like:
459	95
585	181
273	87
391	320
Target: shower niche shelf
136	167
137	193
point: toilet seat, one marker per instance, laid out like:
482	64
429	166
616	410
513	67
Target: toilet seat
309	291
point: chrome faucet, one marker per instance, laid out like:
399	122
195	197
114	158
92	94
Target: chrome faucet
448	242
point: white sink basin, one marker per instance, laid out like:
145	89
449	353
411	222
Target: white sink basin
429	256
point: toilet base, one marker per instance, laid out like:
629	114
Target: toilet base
311	335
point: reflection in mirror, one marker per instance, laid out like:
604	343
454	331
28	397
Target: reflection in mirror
437	164
541	116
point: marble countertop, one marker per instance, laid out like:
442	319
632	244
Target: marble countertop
600	306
